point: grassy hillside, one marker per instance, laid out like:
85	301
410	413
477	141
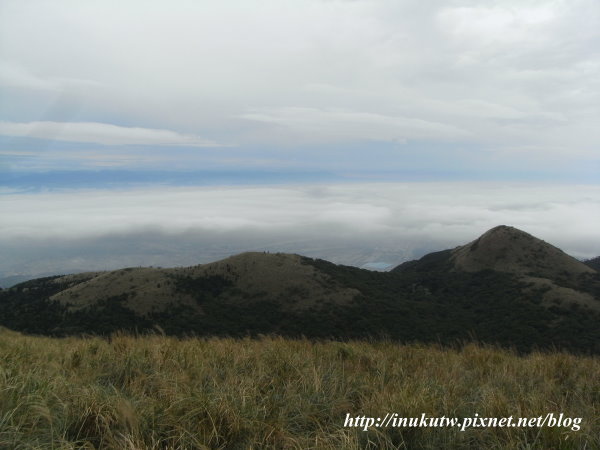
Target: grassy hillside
163	393
559	278
508	249
427	301
278	277
422	301
507	288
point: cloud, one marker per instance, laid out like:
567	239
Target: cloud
342	125
499	25
14	75
385	215
101	133
281	74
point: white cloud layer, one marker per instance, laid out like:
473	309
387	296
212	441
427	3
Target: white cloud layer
100	133
442	215
340	125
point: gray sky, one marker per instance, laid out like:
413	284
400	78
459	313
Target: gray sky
502	83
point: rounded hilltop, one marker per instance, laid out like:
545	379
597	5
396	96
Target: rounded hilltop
507	249
279	277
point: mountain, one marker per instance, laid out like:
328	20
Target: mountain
507	249
6	282
594	263
506	287
277	277
535	262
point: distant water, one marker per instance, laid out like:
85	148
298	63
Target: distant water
382	266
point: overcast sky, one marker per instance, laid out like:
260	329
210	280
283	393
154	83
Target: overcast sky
278	83
105	94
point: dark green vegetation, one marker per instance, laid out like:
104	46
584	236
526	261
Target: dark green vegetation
594	263
425	301
542	304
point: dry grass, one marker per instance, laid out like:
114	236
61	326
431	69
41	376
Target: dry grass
153	290
147	289
163	393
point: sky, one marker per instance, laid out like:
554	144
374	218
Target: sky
197	117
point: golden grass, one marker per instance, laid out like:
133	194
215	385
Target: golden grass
164	393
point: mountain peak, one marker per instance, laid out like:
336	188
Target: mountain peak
508	249
504	229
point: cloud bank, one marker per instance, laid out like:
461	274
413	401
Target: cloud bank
100	133
340	125
348	223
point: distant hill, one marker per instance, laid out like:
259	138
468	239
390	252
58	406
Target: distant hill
506	287
279	278
507	249
535	262
594	263
10	281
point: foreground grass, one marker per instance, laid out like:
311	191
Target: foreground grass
163	393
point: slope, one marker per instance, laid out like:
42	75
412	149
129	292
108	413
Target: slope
506	288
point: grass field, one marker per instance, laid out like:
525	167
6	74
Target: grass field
164	393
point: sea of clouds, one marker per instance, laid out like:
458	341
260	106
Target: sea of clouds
357	224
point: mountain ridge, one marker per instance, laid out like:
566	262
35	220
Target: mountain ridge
506	287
